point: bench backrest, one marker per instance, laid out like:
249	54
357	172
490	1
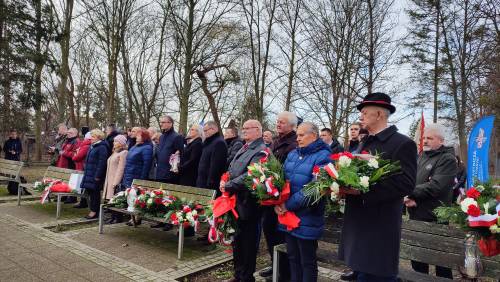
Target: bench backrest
10	169
58	173
431	243
201	195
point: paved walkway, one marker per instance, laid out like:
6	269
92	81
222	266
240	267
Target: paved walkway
31	252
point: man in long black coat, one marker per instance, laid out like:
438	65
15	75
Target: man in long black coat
213	158
371	232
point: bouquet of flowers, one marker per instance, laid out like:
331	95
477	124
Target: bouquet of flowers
174	161
41	186
119	200
156	203
189	215
350	171
223	219
266	180
479	213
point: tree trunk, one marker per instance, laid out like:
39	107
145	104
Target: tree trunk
39	63
186	80
436	63
463	84
371	49
64	72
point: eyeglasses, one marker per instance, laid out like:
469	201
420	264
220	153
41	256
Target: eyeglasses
248	128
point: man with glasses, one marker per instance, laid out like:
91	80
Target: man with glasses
170	143
213	157
245	243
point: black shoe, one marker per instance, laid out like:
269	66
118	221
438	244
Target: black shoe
167	227
158	225
349	276
70	200
266	272
92	217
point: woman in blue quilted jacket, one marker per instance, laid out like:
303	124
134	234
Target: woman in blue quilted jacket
302	242
139	158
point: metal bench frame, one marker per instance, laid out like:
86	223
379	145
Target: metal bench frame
422	241
57	173
204	196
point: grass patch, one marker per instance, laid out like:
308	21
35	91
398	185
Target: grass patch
67	210
3	191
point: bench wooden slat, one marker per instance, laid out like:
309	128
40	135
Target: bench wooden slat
10	170
431	241
433	228
202	195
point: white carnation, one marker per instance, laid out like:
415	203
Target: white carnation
150	201
464	205
335	188
344	161
373	163
364	181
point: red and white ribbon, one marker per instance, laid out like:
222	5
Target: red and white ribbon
271	190
330	169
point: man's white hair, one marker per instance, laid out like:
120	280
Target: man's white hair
435	128
290	117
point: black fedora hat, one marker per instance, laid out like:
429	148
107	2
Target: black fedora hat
378	99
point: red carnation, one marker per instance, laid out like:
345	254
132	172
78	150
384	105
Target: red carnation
158	201
365	152
335	157
173	216
225	177
263	159
316	169
473	210
473	193
186	224
186	209
348	154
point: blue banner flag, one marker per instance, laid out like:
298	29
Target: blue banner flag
477	153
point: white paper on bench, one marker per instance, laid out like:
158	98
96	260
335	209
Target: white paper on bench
74	182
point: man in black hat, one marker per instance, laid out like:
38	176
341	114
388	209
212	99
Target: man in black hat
371	232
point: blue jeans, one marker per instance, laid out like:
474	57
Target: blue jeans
302	258
365	277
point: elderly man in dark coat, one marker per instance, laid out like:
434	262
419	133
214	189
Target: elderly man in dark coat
234	143
213	157
246	237
286	142
191	155
371	232
436	172
170	143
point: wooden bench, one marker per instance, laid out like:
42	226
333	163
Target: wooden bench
55	173
10	170
200	195
431	243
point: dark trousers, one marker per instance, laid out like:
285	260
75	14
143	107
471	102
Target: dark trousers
424	268
94	199
245	249
273	238
366	277
302	258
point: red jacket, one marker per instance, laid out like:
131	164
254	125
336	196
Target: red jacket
81	154
68	150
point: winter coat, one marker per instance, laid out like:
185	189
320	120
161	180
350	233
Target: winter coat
212	162
298	170
114	173
371	232
335	147
69	148
94	172
436	171
246	204
111	139
13	145
233	146
170	142
60	139
80	154
190	159
138	163
353	145
154	162
283	145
